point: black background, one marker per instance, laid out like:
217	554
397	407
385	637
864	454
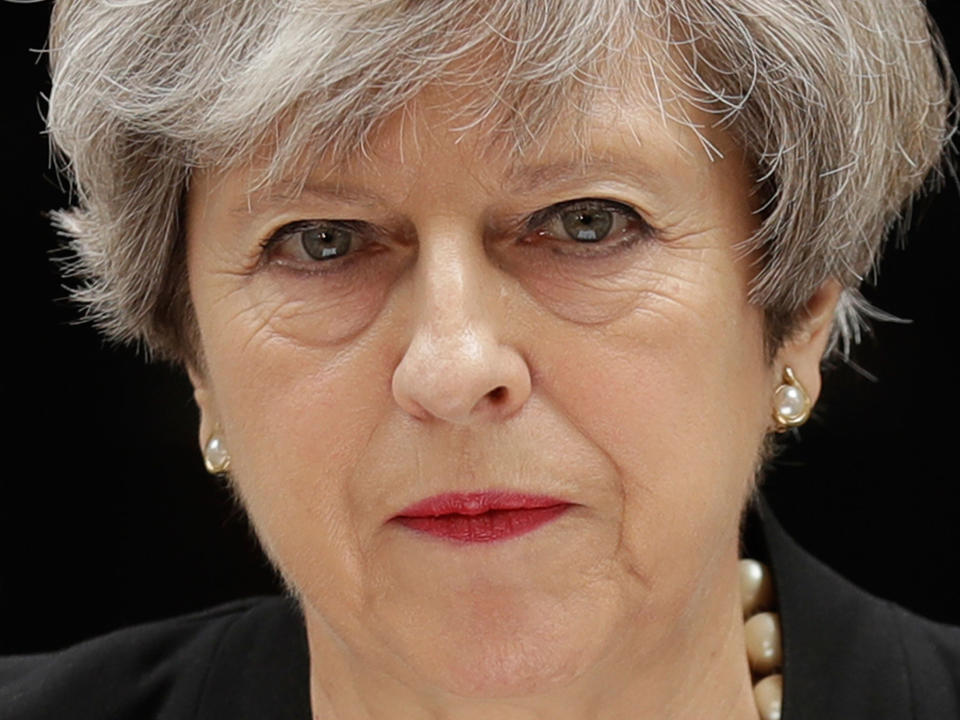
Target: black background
107	517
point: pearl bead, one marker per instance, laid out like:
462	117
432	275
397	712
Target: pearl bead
762	635
764	649
215	456
791	402
756	587
768	694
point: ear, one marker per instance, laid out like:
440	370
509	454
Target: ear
203	395
803	350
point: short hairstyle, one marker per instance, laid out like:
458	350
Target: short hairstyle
844	107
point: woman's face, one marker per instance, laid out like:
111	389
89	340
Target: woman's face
442	316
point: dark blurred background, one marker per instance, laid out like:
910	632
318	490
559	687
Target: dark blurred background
107	517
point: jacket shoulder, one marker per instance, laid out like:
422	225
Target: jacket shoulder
932	654
156	670
849	654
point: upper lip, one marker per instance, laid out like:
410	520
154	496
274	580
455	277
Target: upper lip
477	503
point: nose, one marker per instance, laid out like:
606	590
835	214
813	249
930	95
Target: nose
459	365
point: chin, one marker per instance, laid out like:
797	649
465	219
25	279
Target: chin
519	668
502	647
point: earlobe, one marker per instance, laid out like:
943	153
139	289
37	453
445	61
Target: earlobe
804	350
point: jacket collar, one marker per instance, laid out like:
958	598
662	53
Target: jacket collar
843	657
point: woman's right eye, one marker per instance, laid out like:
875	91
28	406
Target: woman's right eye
312	242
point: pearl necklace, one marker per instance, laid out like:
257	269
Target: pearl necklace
762	631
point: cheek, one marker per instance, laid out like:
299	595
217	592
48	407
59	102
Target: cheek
296	419
674	394
296	386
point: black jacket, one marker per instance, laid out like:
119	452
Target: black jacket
848	656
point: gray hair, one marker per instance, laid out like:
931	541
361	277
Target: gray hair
843	106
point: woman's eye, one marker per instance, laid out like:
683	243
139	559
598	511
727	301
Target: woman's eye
314	241
326	243
589	222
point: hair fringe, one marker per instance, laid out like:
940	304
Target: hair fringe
843	106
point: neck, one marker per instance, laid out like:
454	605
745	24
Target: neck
697	671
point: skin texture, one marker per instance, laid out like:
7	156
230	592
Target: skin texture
459	349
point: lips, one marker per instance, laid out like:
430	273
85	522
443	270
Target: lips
480	517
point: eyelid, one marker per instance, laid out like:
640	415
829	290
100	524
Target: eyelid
540	217
366	232
356	226
365	238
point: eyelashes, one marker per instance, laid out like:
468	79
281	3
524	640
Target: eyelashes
587	228
579	230
318	240
322	247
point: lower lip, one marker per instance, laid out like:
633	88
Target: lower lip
490	526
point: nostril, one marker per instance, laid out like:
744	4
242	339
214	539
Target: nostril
498	393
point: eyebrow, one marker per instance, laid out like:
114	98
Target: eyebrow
520	179
529	178
283	193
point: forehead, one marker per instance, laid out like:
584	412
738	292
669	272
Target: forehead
591	121
604	132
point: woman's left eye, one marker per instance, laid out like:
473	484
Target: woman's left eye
601	223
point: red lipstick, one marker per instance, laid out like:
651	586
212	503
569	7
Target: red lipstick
481	516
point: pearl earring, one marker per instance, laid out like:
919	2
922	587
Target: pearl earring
215	456
791	404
